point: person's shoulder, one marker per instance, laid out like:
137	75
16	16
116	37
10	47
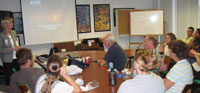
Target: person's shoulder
127	86
130	82
14	75
61	87
2	33
41	78
116	46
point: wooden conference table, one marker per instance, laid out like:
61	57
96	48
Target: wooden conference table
95	72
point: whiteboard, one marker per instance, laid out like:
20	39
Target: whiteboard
146	22
49	21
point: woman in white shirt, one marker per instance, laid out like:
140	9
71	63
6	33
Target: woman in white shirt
50	83
145	81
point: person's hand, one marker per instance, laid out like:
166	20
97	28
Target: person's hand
63	72
16	48
192	51
101	62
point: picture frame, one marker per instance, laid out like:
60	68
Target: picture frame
17	21
83	18
101	17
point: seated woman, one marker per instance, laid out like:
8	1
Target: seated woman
50	83
144	81
168	38
181	73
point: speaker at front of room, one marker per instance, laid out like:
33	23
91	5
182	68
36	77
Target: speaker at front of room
4	14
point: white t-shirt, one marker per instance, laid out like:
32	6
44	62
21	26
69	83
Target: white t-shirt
57	87
13	45
143	84
166	51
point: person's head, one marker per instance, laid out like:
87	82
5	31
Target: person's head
150	42
178	50
108	40
7	23
190	31
169	37
24	57
54	64
145	61
197	32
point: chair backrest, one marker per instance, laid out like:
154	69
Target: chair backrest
53	50
68	46
187	87
24	89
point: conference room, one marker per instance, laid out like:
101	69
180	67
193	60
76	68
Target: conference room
76	28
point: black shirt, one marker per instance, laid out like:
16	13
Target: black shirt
116	55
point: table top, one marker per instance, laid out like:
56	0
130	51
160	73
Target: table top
96	55
94	72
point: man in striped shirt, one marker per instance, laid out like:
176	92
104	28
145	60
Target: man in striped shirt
181	73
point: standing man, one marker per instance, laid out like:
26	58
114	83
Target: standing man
189	37
8	47
26	75
115	53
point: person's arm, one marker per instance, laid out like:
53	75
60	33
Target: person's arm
101	62
197	56
163	58
2	48
191	42
168	83
64	74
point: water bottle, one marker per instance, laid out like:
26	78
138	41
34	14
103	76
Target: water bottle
112	75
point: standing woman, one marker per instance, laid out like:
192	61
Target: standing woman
8	47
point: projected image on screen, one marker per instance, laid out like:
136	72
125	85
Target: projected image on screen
49	20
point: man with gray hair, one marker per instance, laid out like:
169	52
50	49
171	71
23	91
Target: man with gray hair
115	53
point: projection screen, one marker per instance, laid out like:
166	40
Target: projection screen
48	21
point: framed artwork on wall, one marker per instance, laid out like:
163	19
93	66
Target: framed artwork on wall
18	23
83	18
101	17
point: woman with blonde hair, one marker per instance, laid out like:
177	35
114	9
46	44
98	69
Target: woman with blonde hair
50	83
9	45
144	81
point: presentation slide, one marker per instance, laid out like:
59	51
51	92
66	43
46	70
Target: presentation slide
49	21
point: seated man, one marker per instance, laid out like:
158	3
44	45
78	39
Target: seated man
196	65
195	42
150	43
181	73
115	53
189	37
27	75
